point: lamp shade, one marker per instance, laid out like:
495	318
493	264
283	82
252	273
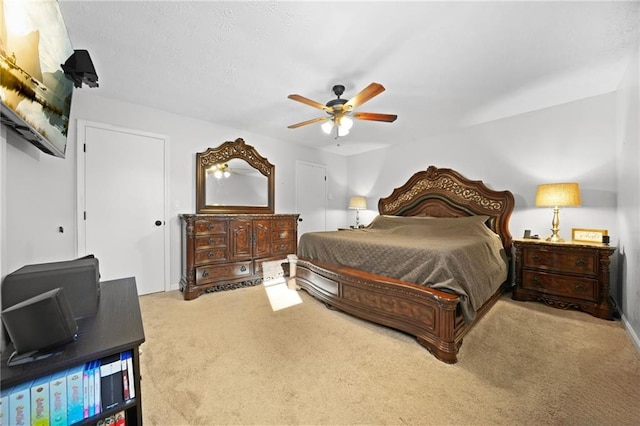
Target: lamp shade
558	195
358	202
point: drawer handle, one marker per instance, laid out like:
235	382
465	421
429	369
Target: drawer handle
537	282
243	268
205	274
282	235
210	241
210	254
580	287
536	258
211	227
581	262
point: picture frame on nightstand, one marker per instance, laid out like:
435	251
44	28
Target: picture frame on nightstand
587	235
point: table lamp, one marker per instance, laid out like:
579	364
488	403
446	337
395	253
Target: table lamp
358	203
557	195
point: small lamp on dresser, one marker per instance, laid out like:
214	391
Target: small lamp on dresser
358	203
557	195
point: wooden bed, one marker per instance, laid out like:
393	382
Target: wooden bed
434	317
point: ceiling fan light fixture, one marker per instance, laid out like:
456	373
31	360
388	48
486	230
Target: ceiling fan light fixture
327	126
345	123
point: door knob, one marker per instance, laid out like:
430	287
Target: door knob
158	222
299	219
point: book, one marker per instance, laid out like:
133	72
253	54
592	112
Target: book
111	386
128	380
20	405
75	394
121	420
58	399
91	371
40	401
85	391
125	376
4	406
97	403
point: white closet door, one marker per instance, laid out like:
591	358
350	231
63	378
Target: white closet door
124	201
311	197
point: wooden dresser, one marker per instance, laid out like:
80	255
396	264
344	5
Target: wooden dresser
566	275
226	251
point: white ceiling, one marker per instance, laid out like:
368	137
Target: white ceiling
444	64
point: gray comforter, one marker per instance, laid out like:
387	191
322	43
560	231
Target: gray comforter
459	255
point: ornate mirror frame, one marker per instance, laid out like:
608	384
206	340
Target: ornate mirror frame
222	154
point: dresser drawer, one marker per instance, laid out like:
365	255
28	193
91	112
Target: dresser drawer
205	226
282	235
282	224
561	285
207	241
571	261
228	271
210	255
282	247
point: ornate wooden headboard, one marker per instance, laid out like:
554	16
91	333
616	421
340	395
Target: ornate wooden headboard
446	193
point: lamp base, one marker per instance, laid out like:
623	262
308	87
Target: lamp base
555	238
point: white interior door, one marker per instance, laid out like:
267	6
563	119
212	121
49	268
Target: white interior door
124	204
311	197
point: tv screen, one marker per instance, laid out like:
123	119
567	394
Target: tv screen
35	94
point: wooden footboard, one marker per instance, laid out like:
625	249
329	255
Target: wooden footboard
432	316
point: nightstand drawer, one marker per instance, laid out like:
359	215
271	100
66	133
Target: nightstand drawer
561	285
574	261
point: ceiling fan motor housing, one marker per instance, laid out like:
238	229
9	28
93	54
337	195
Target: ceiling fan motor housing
338	89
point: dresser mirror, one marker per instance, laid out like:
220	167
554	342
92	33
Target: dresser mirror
234	178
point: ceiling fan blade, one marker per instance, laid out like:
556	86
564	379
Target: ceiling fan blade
309	102
372	116
374	89
304	123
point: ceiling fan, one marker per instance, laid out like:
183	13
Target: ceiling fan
339	111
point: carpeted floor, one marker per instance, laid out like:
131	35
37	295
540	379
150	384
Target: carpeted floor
228	358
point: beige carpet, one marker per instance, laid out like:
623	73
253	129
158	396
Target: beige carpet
227	358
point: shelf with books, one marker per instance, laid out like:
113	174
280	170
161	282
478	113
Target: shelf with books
93	379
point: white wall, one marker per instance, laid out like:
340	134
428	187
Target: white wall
628	149
570	142
41	190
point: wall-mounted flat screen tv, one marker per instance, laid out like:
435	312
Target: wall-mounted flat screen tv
35	94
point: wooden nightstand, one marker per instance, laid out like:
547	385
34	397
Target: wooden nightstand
566	275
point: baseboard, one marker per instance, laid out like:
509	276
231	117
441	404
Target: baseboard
630	332
174	287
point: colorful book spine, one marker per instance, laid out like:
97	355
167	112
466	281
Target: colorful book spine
75	395
4	406
58	399
40	401
132	383
121	420
20	405
97	403
125	377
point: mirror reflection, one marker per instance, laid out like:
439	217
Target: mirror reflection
234	178
235	183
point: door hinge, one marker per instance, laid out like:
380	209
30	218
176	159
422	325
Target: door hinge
85	215
84	147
